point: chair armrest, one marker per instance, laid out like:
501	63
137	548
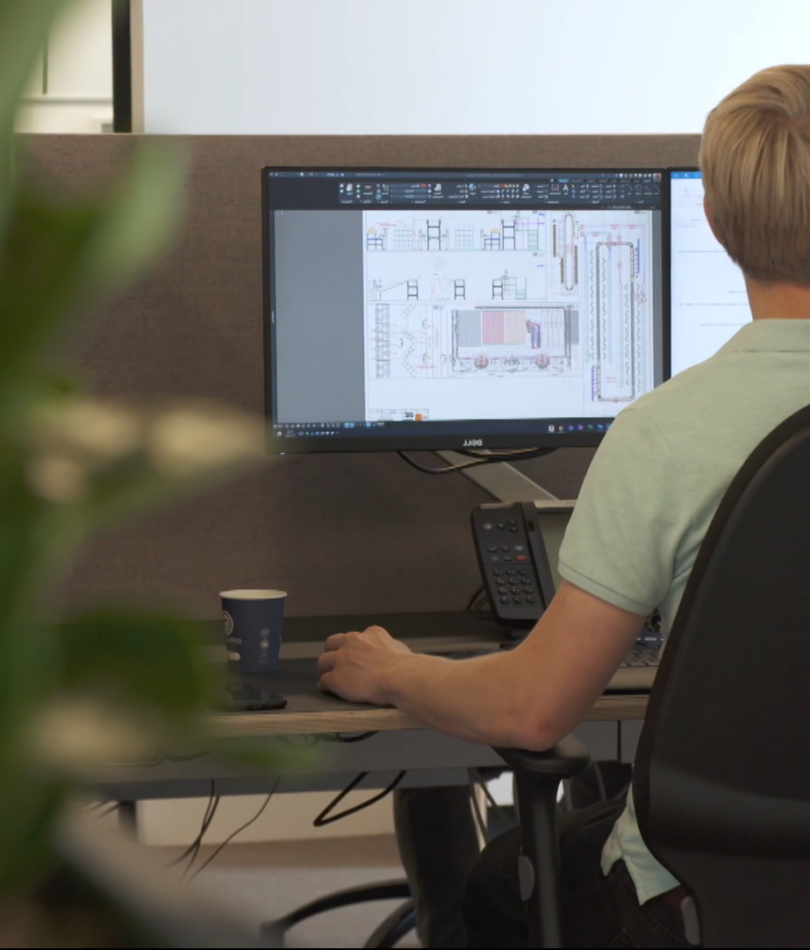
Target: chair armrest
563	760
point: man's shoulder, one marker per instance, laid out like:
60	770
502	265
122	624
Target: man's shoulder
678	404
690	384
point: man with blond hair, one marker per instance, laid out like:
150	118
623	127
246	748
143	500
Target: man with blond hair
643	511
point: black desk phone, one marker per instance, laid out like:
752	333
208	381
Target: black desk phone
514	563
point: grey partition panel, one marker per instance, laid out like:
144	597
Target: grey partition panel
341	533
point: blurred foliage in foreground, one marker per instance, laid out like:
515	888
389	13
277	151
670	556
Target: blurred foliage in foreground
104	686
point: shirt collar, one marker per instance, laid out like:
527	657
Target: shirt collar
770	335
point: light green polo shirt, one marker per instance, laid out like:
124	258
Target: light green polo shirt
653	488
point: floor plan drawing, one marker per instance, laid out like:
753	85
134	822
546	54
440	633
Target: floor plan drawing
474	299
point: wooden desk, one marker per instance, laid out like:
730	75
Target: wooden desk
299	720
312	713
401	742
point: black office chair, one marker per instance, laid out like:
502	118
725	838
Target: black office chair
537	781
721	780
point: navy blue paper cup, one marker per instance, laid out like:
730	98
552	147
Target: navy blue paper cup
253	623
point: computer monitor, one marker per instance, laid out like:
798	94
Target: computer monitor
708	300
458	308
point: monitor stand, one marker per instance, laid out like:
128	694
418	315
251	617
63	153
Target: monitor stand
501	480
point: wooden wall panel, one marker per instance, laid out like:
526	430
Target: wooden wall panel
341	533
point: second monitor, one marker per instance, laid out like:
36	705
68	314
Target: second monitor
708	298
444	309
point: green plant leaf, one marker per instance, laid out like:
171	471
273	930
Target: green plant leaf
137	658
58	255
24	28
28	811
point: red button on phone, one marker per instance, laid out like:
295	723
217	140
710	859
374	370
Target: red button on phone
521	557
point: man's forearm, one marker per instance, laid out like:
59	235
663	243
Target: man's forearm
475	699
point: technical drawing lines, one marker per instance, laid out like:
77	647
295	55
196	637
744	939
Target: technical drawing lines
382	341
456	231
397	290
614	322
512	340
565	249
509	288
405	341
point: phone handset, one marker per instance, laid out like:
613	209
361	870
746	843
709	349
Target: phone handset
513	561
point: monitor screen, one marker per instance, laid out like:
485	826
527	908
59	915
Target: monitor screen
452	309
708	300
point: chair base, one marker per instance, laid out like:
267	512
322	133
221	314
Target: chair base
275	930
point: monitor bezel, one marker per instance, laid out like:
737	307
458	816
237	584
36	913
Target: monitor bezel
666	248
284	445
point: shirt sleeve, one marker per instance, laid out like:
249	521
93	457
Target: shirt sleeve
622	540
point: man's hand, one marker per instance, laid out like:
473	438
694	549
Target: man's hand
352	664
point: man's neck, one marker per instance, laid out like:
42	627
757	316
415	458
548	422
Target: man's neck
780	301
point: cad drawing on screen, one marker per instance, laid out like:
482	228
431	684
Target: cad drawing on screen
555	298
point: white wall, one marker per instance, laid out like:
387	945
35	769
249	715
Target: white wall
288	817
455	66
79	96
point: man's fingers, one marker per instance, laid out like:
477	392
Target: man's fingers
335	642
324	683
326	662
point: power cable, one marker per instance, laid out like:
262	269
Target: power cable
325	818
239	830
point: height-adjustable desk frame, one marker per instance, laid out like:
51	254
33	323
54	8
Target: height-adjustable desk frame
400	742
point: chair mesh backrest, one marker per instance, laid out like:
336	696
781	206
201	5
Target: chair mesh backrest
723	763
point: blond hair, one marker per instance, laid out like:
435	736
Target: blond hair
755	157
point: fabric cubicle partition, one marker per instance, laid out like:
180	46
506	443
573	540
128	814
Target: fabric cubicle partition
341	533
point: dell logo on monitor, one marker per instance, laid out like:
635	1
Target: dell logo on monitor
473	443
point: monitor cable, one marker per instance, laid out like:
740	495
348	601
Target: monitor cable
326	817
193	849
518	455
239	830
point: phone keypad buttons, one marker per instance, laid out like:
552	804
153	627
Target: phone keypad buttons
505	555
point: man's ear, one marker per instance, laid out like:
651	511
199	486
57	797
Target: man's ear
708	212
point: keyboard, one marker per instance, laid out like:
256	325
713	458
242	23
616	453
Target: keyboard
635	675
460	654
638	669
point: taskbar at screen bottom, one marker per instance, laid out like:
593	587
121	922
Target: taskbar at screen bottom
436	436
